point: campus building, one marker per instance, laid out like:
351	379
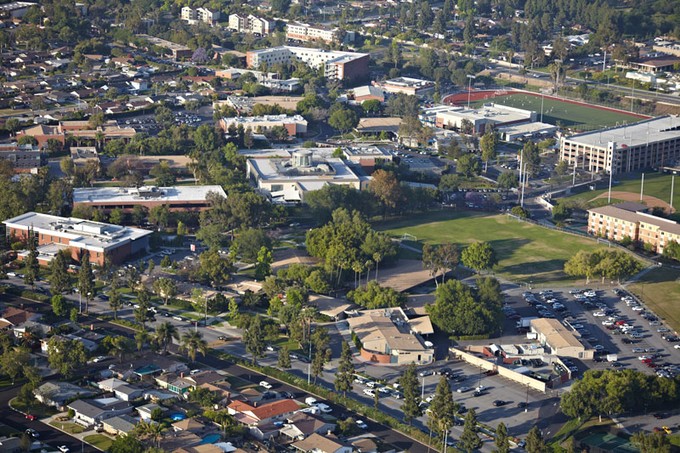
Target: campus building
249	24
628	220
100	240
110	130
496	115
24	158
295	125
407	85
559	340
305	32
646	144
287	179
178	198
388	336
337	65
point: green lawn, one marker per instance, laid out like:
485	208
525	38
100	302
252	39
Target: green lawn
37	409
656	185
571	115
100	441
525	252
660	289
70	428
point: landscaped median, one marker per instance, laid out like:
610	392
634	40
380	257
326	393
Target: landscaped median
351	404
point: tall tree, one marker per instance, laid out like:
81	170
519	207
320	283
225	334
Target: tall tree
193	343
386	189
479	256
284	357
535	442
115	302
59	305
502	440
165	333
345	375
469	439
488	144
66	356
409	387
86	280
59	277
31	267
166	288
253	338
442	408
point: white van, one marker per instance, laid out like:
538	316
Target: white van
311	401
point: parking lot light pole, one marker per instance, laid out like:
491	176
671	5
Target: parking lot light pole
470	79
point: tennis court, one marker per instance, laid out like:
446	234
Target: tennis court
608	442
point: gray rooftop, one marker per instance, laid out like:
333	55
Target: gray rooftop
81	233
647	131
145	193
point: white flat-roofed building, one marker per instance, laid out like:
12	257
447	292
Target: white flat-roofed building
249	24
295	125
646	144
338	65
15	10
446	116
408	85
367	156
286	180
177	198
526	131
306	32
100	240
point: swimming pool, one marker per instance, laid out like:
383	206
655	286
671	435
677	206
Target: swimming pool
211	438
177	416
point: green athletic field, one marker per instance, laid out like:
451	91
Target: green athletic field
577	116
656	185
526	252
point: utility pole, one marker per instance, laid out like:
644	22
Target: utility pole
309	365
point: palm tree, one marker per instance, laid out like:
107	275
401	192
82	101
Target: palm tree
141	337
193	342
164	335
150	430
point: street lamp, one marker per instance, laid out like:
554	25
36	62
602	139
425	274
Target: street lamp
470	79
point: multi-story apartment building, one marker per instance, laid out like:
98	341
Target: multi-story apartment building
305	32
627	220
204	15
250	24
24	158
295	125
349	67
649	143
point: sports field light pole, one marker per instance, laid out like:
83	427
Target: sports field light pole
642	186
542	98
470	79
672	188
609	194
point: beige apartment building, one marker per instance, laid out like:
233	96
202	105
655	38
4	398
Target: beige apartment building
625	220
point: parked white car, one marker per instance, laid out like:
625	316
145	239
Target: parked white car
265	384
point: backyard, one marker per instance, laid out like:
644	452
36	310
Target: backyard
526	252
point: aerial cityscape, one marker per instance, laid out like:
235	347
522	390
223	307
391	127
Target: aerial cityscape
339	227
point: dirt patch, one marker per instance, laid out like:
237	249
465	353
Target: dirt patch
646	199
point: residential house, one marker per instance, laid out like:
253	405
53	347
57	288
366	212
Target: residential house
56	394
302	424
189	424
128	392
15	317
91	412
120	424
175	384
316	443
145	411
110	385
260	419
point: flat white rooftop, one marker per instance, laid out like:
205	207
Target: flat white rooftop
641	133
176	194
81	233
326	169
491	112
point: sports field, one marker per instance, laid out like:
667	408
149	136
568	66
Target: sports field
660	290
657	185
567	114
526	252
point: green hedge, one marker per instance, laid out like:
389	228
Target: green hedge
471	337
28	294
330	395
